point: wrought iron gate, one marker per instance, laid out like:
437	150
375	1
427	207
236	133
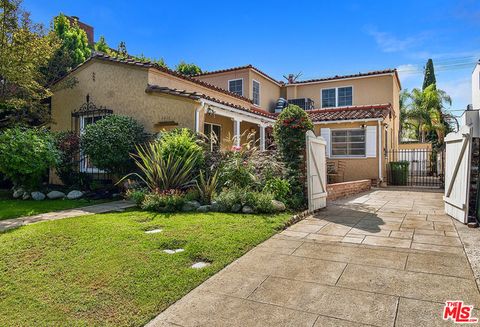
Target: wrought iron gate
416	168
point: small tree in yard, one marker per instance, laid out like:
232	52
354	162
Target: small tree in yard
26	155
289	132
109	142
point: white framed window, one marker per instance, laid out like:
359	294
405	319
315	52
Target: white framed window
337	97
85	165
256	92
236	86
214	134
348	142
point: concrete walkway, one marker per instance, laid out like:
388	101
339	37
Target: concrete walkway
89	210
386	258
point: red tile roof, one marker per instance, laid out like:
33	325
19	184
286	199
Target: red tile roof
372	73
240	68
197	95
351	113
148	64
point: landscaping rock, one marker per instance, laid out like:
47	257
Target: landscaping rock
191	206
53	195
247	209
18	193
236	208
278	206
154	231
26	196
73	195
205	208
200	265
216	206
38	196
173	251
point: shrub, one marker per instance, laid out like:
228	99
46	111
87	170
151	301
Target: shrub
137	195
167	201
289	132
260	202
109	142
181	143
161	174
207	186
26	155
237	171
68	145
228	198
279	187
267	165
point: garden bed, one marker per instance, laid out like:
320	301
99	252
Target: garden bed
105	270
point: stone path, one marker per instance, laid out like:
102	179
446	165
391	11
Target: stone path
89	210
386	258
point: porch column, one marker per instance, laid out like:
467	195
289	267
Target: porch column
236	131
262	137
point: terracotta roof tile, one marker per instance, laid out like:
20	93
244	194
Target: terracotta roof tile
376	72
197	95
351	113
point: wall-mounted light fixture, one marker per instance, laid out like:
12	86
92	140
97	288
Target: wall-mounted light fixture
210	111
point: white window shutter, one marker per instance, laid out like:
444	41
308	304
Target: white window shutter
371	141
325	133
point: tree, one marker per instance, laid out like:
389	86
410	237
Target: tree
188	69
429	78
122	50
102	45
24	49
74	39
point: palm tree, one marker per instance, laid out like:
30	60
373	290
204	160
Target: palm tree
428	110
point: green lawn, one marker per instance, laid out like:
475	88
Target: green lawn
103	270
11	208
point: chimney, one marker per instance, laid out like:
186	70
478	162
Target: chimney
87	28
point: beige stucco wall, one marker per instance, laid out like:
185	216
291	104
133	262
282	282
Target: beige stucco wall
414	146
269	91
356	168
221	80
366	91
120	88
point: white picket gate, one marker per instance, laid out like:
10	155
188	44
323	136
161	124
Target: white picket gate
316	171
457	173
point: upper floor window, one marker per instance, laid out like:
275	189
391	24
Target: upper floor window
256	92
328	98
337	97
236	86
344	96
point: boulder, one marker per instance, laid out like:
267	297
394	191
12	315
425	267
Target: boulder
237	208
38	196
18	193
278	206
190	206
247	209
73	195
216	206
26	196
205	208
53	195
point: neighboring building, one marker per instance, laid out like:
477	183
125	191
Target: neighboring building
358	114
476	87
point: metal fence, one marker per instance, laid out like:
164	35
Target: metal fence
415	168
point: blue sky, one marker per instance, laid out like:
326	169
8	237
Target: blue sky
316	38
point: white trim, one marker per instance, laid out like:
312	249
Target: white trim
336	96
380	155
241	114
262	137
339	79
347	156
219	137
236	131
259	91
347	121
236	79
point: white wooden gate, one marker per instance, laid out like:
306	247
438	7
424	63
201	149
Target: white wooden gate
457	173
316	171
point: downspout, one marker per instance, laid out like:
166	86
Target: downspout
380	154
197	115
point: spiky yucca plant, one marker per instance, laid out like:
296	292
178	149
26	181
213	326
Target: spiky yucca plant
207	186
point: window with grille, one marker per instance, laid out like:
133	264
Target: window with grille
256	92
213	132
348	143
328	98
236	86
345	96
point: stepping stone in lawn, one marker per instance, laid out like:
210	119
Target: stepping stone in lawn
154	231
200	265
173	251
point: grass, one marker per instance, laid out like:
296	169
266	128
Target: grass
103	270
12	208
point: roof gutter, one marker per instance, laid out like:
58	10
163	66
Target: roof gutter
237	111
338	79
348	121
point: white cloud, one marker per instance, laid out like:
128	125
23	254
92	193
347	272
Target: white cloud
390	43
460	90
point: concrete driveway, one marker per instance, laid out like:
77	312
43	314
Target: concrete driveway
386	258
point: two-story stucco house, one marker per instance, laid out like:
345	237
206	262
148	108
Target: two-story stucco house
357	114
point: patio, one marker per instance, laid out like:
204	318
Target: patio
385	258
